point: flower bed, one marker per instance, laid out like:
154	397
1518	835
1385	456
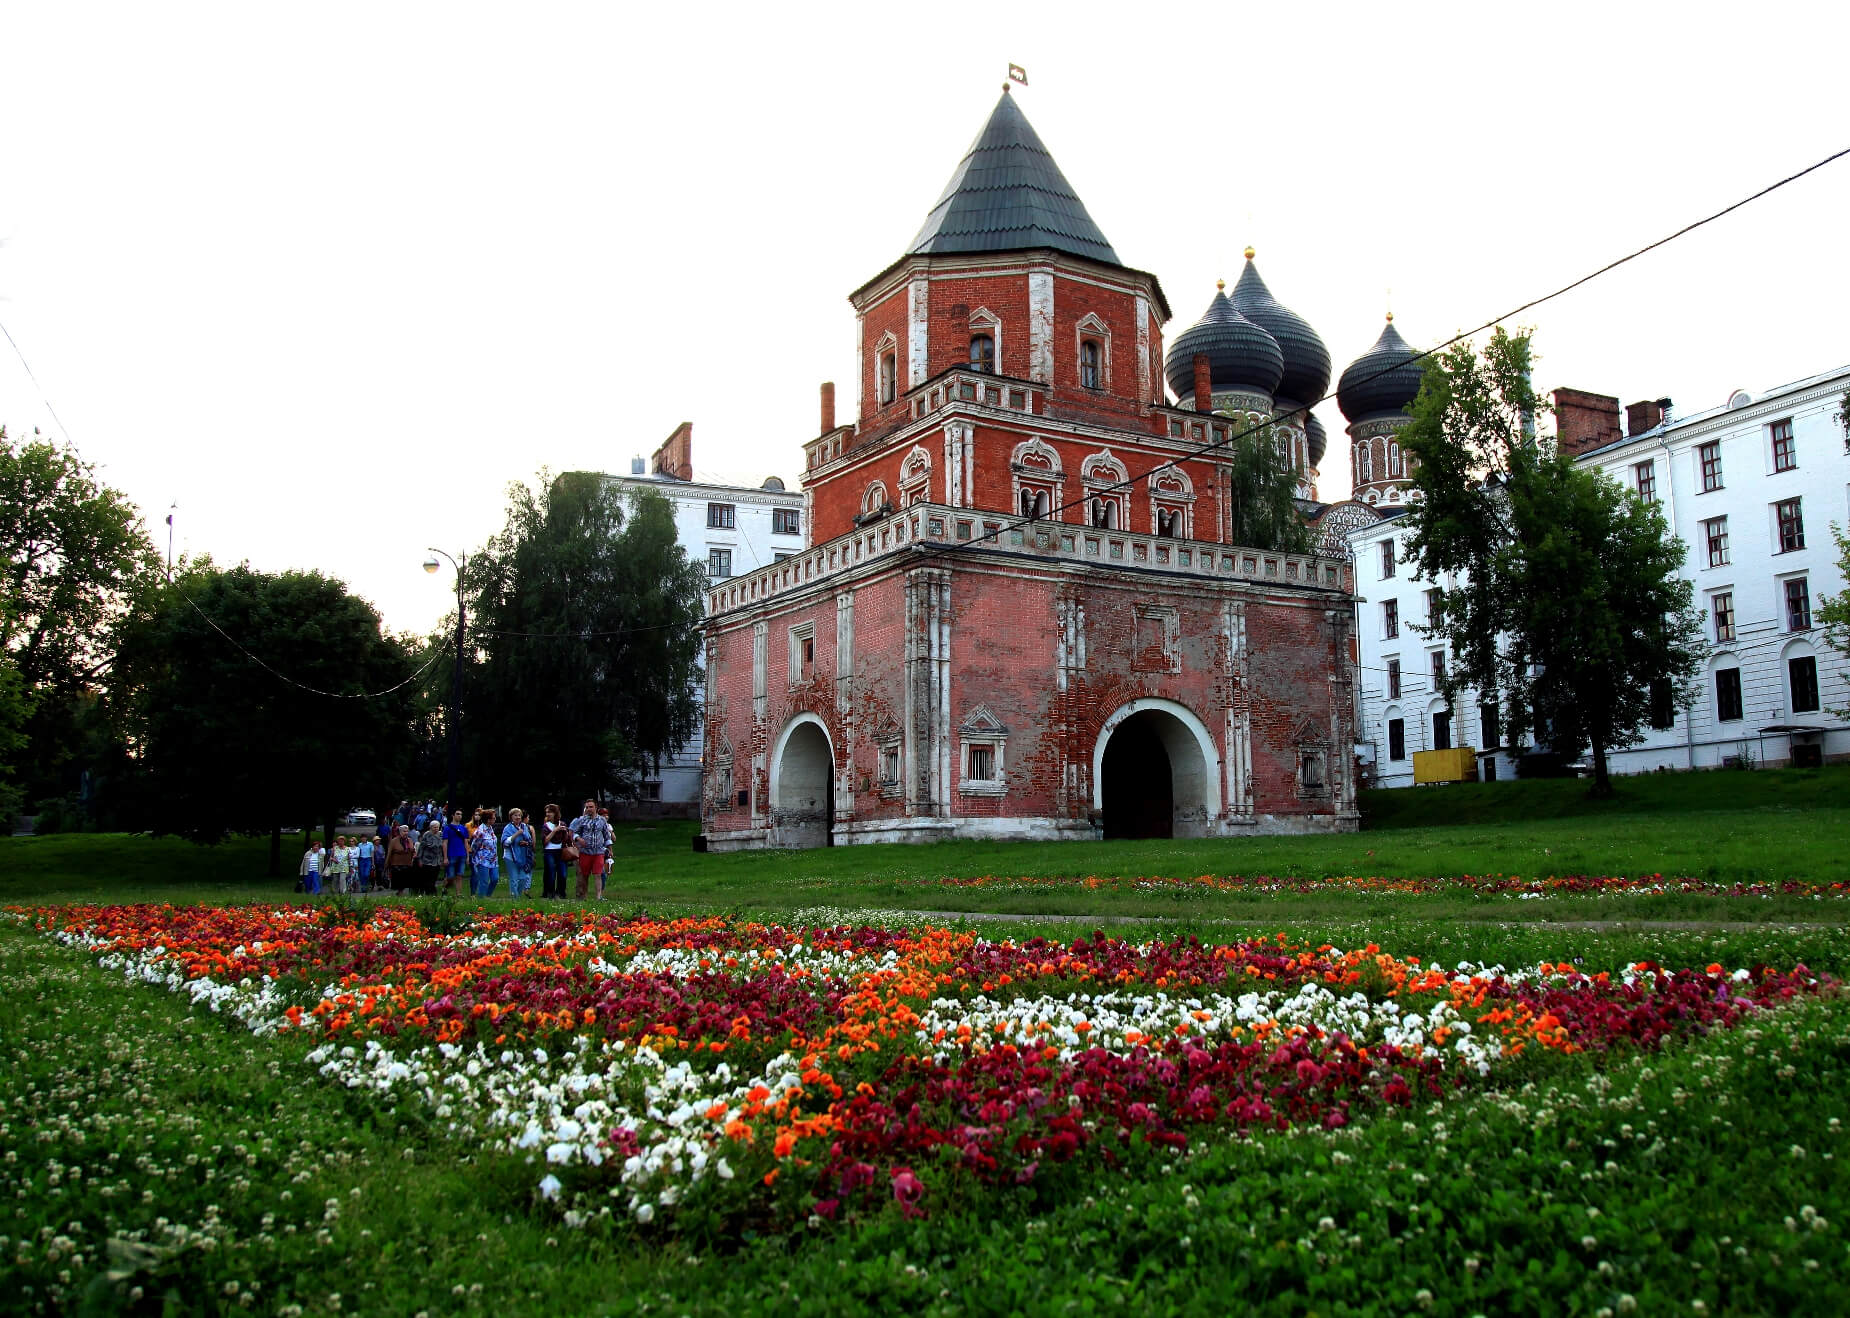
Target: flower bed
771	1071
1512	886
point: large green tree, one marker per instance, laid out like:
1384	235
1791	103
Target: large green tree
1561	593
583	643
74	556
249	700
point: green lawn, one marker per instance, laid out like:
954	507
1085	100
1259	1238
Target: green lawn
163	1160
1767	826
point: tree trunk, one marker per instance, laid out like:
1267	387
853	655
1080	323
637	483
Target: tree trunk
1602	785
276	850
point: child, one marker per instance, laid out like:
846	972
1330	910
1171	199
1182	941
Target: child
311	869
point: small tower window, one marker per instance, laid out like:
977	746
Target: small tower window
889	377
1104	514
1089	373
983	352
1033	504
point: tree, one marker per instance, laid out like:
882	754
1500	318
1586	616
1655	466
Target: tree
245	702
584	643
1562	597
75	556
1262	495
1834	610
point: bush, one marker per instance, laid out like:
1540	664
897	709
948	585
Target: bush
63	814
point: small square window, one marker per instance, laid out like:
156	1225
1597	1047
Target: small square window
1785	452
1791	518
719	563
1709	455
720	515
1798	604
1721	606
786	521
1715	536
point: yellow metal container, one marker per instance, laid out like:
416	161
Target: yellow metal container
1458	765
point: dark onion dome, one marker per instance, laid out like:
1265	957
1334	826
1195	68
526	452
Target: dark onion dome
1316	437
1307	361
1007	194
1240	354
1382	381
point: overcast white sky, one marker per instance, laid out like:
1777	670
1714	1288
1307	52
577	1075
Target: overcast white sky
329	277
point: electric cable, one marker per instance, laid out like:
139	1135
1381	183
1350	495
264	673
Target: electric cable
1130	483
290	681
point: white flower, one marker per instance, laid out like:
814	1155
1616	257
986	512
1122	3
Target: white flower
550	1187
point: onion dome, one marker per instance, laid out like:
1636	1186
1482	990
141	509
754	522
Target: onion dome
1316	438
1307	361
1241	355
1382	381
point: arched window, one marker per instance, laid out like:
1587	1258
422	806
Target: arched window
1033	503
1167	520
1090	375
983	352
1104	514
889	377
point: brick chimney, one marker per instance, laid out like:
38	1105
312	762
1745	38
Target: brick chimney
1646	415
828	407
675	458
1584	421
1204	384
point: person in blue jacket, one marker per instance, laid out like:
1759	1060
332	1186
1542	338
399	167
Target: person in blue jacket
455	853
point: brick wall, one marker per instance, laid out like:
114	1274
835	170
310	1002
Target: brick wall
1585	421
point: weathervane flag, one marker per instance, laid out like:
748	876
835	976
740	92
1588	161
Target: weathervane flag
1018	74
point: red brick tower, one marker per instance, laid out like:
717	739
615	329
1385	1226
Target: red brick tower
1018	616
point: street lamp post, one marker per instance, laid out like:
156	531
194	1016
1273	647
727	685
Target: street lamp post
431	565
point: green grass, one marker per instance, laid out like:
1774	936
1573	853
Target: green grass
176	1164
1768	826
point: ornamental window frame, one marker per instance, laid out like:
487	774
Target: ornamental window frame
1035	468
1172	500
1091	329
1103	475
886	369
985	324
802	653
982	737
874	499
915	477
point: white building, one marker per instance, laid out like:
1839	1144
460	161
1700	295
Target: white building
728	529
1752	489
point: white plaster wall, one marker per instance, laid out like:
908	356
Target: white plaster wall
1697	738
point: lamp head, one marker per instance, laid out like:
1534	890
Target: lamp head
431	564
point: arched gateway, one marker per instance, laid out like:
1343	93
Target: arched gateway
1155	772
803	785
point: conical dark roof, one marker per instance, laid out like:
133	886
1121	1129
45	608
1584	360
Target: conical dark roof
1008	194
1307	361
1382	381
1241	355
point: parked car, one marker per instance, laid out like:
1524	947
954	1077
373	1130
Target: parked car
362	816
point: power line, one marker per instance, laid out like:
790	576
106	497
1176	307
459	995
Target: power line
36	385
1131	482
285	678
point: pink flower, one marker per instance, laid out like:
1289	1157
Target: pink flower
908	1189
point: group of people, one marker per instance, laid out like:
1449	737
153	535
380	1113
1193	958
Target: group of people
416	850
